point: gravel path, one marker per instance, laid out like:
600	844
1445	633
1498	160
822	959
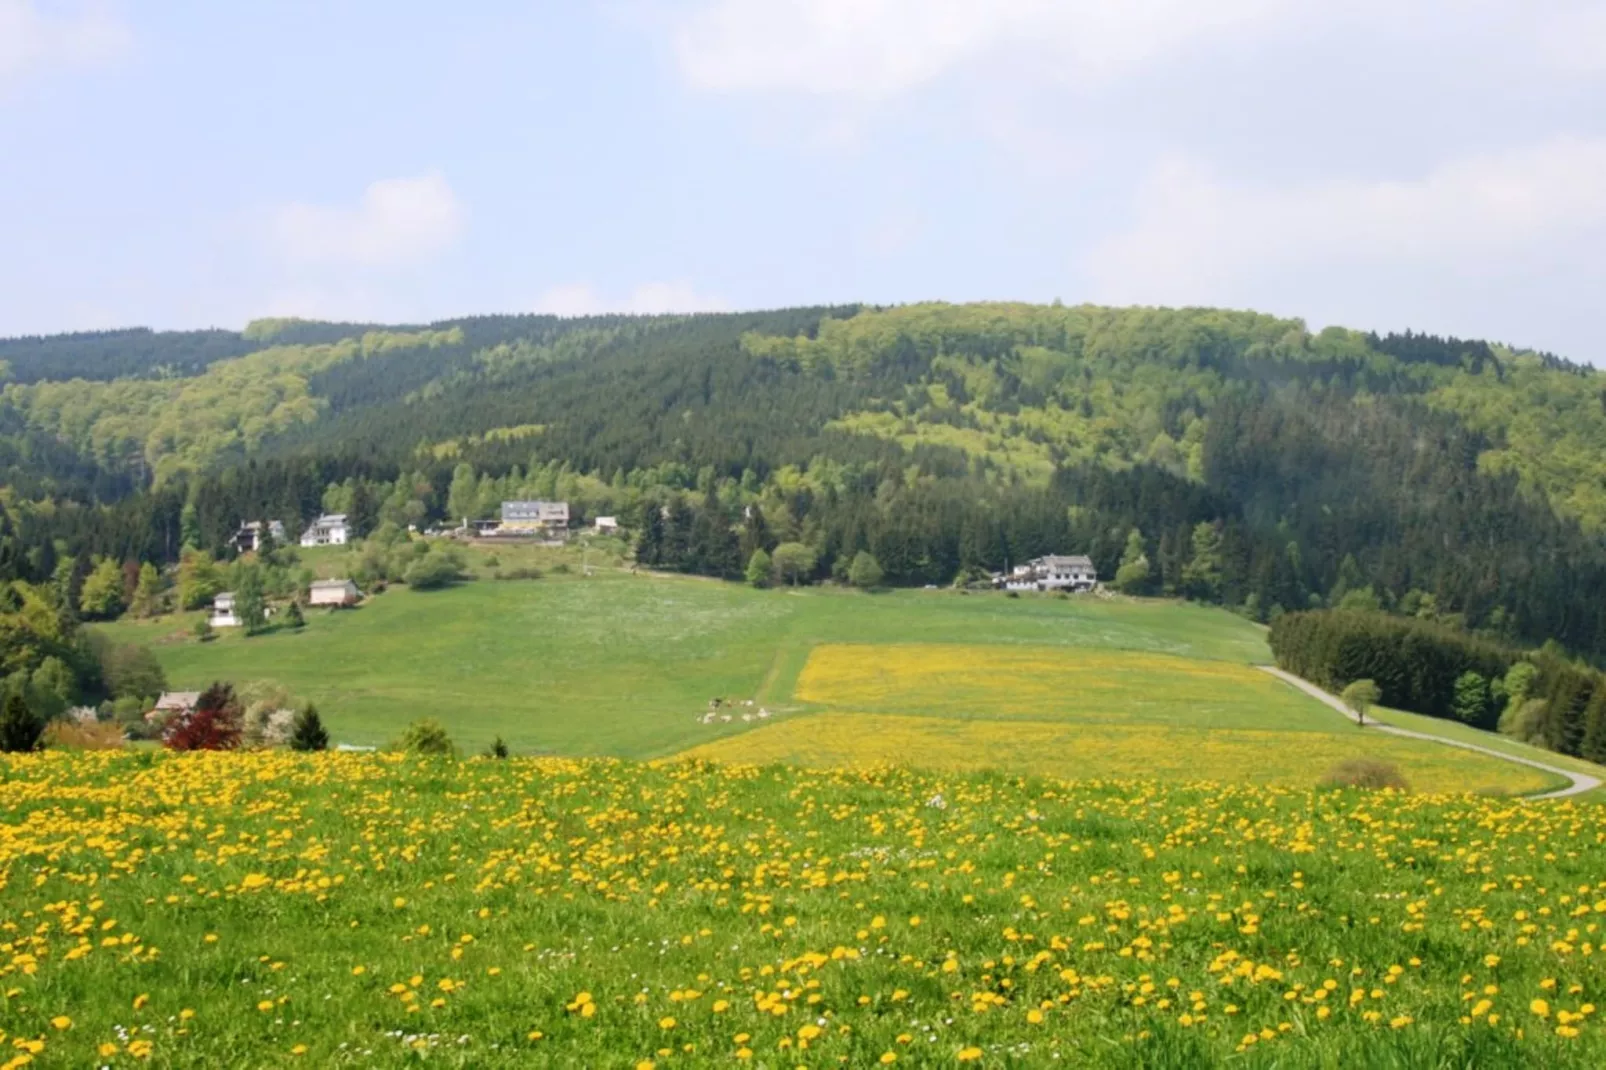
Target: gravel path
1578	782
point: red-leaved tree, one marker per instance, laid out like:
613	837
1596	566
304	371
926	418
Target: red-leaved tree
214	724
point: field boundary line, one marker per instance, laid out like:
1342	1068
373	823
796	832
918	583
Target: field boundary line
1578	783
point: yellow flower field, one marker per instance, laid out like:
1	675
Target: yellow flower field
1100	751
369	910
1053	683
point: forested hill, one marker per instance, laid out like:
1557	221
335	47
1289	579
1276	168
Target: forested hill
1227	456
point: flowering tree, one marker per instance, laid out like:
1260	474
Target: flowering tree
214	724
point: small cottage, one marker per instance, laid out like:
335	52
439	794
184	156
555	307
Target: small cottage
333	593
607	525
223	615
172	704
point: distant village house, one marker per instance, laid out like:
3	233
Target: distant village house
223	615
333	593
328	530
1055	572
546	519
250	537
172	704
606	525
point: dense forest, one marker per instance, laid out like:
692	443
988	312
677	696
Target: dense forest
1225	456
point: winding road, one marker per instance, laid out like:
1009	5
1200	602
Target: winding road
1578	782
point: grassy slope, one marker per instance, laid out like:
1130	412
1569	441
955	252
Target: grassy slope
623	665
1455	730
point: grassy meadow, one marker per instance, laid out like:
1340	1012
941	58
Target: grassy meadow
600	661
270	909
625	665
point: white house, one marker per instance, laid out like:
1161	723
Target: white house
250	536
328	530
1055	572
534	518
333	593
606	525
223	615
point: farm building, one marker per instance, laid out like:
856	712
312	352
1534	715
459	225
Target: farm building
251	536
328	530
606	525
1055	572
534	518
173	703
223	615
333	593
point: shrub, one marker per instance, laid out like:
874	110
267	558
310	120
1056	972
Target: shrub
204	630
1369	773
128	670
307	732
80	735
214	724
497	749
433	572
518	574
865	572
294	617
20	727
758	568
427	737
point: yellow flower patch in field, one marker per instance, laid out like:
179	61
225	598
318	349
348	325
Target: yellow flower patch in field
1104	751
1055	683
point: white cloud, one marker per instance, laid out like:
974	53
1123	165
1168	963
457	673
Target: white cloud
1198	239
32	40
879	48
397	221
648	299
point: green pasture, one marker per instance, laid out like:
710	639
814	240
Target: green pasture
624	664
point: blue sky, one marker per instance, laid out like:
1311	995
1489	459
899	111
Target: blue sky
1411	163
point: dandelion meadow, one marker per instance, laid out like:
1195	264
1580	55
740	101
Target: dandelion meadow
270	909
1077	713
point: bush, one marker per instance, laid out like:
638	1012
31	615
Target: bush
307	732
204	630
293	617
128	670
434	571
1370	773
426	737
79	735
214	724
518	574
865	572
497	749
20	727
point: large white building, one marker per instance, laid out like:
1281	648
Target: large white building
1055	572
328	530
534	518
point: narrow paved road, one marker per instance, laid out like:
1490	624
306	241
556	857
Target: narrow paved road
1579	782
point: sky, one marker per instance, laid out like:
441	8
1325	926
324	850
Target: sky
1438	165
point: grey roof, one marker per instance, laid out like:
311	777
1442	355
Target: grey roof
178	700
1065	561
331	585
539	511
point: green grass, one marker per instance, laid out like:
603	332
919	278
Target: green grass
1455	730
268	909
622	664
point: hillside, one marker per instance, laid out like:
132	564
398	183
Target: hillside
1244	459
